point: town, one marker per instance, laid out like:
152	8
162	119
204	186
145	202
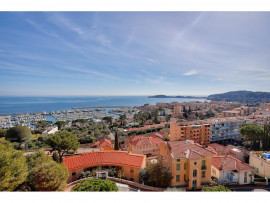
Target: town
189	146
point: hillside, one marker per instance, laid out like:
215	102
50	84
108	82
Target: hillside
247	97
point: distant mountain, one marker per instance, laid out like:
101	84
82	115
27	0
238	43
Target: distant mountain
164	96
247	97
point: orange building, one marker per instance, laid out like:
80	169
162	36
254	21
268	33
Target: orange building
104	144
189	163
129	163
144	145
200	133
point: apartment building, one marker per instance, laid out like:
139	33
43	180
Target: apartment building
225	129
200	133
189	163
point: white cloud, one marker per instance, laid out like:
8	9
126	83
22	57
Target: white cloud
152	61
192	72
102	39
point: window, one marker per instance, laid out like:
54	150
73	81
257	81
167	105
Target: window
245	177
195	163
185	177
213	171
74	173
203	165
203	162
178	167
195	173
185	166
203	174
131	171
177	160
177	178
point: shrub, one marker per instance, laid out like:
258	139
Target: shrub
85	174
95	184
218	188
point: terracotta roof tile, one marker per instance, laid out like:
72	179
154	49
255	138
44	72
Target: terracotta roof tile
229	163
180	149
89	159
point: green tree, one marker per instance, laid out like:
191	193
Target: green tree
63	142
189	110
156	116
95	184
3	133
55	157
184	109
42	125
19	134
61	124
218	188
143	176
116	141
157	174
45	174
122	118
252	133
266	137
108	119
13	167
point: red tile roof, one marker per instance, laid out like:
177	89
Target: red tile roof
155	139
117	158
101	143
161	125
188	149
229	163
218	148
143	140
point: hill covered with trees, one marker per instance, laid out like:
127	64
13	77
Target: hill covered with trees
247	97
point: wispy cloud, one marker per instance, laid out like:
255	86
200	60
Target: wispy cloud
152	61
192	72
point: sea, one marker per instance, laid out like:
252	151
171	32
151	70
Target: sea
31	104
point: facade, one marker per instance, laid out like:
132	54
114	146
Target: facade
230	113
260	164
129	163
229	170
189	163
199	133
144	145
223	129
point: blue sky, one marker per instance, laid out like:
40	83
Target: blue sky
133	53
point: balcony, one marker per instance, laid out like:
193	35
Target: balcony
203	168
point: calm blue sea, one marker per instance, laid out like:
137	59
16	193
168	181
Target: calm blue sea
12	105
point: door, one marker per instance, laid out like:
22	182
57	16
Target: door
194	184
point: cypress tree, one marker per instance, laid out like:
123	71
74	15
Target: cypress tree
116	144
